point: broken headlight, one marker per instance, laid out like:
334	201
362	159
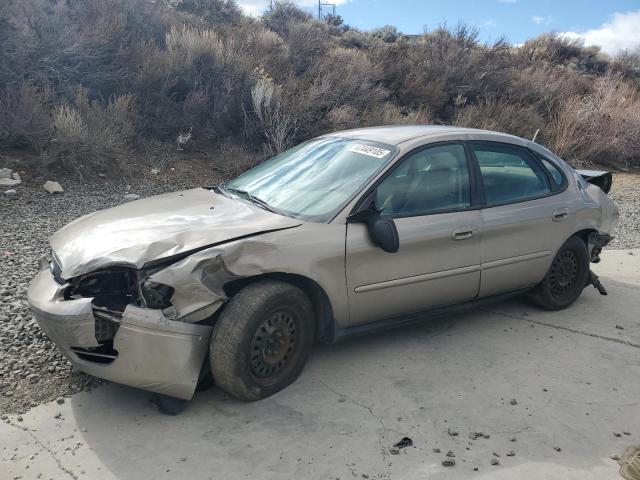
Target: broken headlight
109	282
156	295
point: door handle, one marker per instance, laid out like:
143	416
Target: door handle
462	233
560	214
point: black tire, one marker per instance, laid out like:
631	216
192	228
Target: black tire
262	340
566	277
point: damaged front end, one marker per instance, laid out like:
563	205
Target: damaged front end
119	325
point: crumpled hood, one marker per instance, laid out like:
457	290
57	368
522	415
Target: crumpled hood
138	232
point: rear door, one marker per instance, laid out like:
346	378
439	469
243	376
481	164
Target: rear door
525	219
429	196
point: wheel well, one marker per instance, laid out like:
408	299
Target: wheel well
584	235
317	295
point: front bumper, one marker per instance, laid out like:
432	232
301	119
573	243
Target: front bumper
149	351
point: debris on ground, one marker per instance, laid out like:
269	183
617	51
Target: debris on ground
448	462
405	442
452	431
557	449
511	453
495	461
475	435
394	451
617	434
131	196
513	401
450	454
619	327
436	450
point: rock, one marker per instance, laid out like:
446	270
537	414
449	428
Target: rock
448	462
512	439
436	450
53	187
60	401
11	191
495	461
511	453
131	196
557	449
496	454
155	171
16	176
451	454
9	182
619	327
475	469
5	172
452	431
475	435
513	401
394	451
626	433
614	457
617	434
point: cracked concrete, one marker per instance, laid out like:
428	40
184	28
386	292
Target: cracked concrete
572	373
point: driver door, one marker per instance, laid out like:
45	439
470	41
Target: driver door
428	194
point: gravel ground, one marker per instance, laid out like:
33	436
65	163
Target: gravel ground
32	371
626	194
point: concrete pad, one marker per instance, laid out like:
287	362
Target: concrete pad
573	375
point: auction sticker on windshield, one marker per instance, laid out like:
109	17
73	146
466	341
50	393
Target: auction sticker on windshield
368	150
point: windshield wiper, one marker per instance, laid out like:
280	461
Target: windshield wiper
251	198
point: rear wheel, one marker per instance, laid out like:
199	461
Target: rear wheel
262	340
566	277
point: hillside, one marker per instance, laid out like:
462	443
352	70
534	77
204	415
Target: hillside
105	85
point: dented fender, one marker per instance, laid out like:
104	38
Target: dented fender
312	251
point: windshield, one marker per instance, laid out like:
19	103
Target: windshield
313	180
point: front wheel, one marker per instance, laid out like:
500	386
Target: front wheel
566	277
262	339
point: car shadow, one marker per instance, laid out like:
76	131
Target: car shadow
356	398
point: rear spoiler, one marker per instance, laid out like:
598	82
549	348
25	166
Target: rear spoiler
602	180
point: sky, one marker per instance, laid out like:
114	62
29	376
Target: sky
611	24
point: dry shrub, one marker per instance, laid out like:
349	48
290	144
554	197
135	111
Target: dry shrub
501	115
91	134
25	120
391	114
187	44
602	127
234	159
278	129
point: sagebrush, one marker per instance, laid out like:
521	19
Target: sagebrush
92	83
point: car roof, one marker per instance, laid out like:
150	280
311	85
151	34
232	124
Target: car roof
397	134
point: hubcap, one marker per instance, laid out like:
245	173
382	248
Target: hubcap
272	345
564	272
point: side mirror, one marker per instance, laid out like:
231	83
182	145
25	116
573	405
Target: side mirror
382	230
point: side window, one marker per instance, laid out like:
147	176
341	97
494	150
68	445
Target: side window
427	181
509	174
554	172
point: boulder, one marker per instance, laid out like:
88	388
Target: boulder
5	173
10	192
131	196
53	187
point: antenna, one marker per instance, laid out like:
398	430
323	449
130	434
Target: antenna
535	135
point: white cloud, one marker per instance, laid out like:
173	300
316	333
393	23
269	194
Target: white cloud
620	33
538	20
257	7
